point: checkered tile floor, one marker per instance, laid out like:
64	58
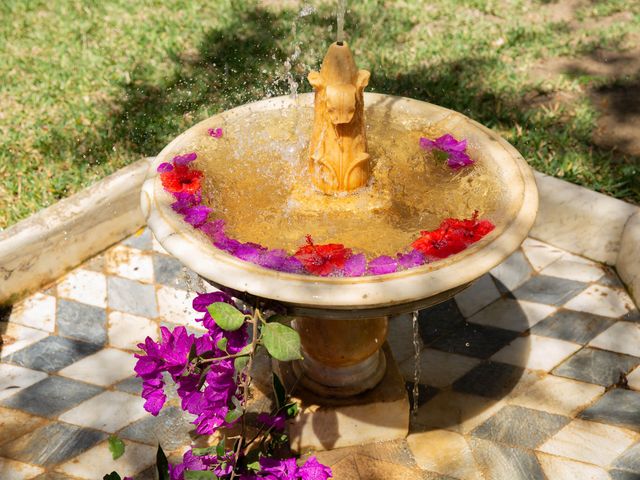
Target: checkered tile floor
531	373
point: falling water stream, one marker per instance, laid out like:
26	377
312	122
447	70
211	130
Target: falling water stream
416	363
342	6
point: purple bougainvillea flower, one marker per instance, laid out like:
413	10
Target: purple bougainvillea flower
277	422
164	167
381	265
213	229
249	252
197	216
355	265
412	259
185	159
314	470
285	469
203	300
452	148
215	132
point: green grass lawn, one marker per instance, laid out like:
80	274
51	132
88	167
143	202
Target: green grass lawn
88	87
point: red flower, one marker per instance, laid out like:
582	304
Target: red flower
181	180
322	259
452	236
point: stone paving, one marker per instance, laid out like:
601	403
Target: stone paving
531	373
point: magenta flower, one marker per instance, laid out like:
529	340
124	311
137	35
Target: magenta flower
164	167
314	470
277	422
197	216
185	159
412	259
286	469
203	300
382	265
215	132
453	150
355	265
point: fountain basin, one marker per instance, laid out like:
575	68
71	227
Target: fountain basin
372	297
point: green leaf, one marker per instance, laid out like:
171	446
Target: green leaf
278	391
199	475
222	344
282	342
116	447
233	415
112	476
162	465
199	452
292	409
220	448
226	317
255	466
280	319
239	363
193	353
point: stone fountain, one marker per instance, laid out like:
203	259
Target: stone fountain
275	180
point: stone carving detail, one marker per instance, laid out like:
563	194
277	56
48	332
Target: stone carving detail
338	159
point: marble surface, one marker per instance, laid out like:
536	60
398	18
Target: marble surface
514	385
628	262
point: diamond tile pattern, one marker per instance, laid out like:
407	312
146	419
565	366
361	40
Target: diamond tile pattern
523	376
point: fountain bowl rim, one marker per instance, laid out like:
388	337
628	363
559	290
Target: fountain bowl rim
373	292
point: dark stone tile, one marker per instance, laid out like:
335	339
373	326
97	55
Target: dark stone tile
489	379
52	396
474	340
520	427
500	462
572	326
131	297
172	273
141	241
170	429
425	393
623	475
617	407
81	321
439	320
549	290
629	460
52	353
131	385
52	444
596	366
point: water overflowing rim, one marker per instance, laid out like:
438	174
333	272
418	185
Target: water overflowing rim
195	251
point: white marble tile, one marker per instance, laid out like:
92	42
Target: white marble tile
96	461
540	254
104	368
590	442
580	220
37	311
480	294
14	470
129	263
109	411
400	337
557	468
175	306
600	300
622	337
157	247
444	452
579	271
14	378
455	411
126	330
16	337
633	379
570	257
535	352
438	369
628	261
511	314
559	395
514	271
84	286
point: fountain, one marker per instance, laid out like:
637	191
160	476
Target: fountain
359	178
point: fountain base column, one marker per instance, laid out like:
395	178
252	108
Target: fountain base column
349	386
